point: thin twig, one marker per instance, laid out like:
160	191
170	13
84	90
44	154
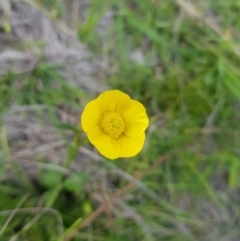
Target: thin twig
96	157
39	149
112	199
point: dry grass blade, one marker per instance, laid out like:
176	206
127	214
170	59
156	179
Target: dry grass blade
112	200
39	211
193	12
118	171
13	213
39	149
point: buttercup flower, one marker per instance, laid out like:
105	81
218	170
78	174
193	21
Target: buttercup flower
115	124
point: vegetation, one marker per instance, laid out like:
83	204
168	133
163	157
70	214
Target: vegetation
180	59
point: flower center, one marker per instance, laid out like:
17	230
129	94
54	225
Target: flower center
113	124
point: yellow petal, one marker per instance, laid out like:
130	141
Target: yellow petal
106	145
131	146
135	117
91	115
109	99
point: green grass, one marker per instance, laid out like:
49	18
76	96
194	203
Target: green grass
191	91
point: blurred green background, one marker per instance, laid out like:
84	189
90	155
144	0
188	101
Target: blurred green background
180	59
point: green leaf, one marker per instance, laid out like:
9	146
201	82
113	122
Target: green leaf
229	78
50	178
66	126
74	183
74	226
234	180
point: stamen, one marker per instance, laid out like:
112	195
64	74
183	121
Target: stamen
113	124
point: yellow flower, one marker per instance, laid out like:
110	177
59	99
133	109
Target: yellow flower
115	124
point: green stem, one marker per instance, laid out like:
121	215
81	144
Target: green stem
72	152
71	155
